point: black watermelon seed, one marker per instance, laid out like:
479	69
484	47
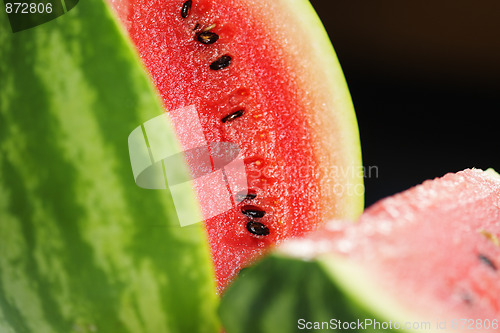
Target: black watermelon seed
466	298
253	211
207	37
221	62
487	261
245	195
233	116
186	8
257	228
196	26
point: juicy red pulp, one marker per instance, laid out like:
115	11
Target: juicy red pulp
434	248
241	86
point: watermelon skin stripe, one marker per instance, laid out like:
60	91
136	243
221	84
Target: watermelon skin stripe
267	287
83	249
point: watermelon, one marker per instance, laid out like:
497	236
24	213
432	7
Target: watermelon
426	259
82	248
262	75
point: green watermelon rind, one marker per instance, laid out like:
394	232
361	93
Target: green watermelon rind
262	299
361	289
352	290
342	108
281	294
492	173
83	248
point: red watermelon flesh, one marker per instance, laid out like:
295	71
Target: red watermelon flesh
260	74
433	250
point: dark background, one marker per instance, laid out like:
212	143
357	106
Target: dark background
425	80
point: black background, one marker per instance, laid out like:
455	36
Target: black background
424	77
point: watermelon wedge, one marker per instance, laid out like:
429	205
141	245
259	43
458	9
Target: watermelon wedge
262	75
425	260
82	248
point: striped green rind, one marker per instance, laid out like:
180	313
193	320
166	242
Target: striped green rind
281	295
82	248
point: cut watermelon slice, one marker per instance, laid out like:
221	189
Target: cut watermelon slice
426	260
262	75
